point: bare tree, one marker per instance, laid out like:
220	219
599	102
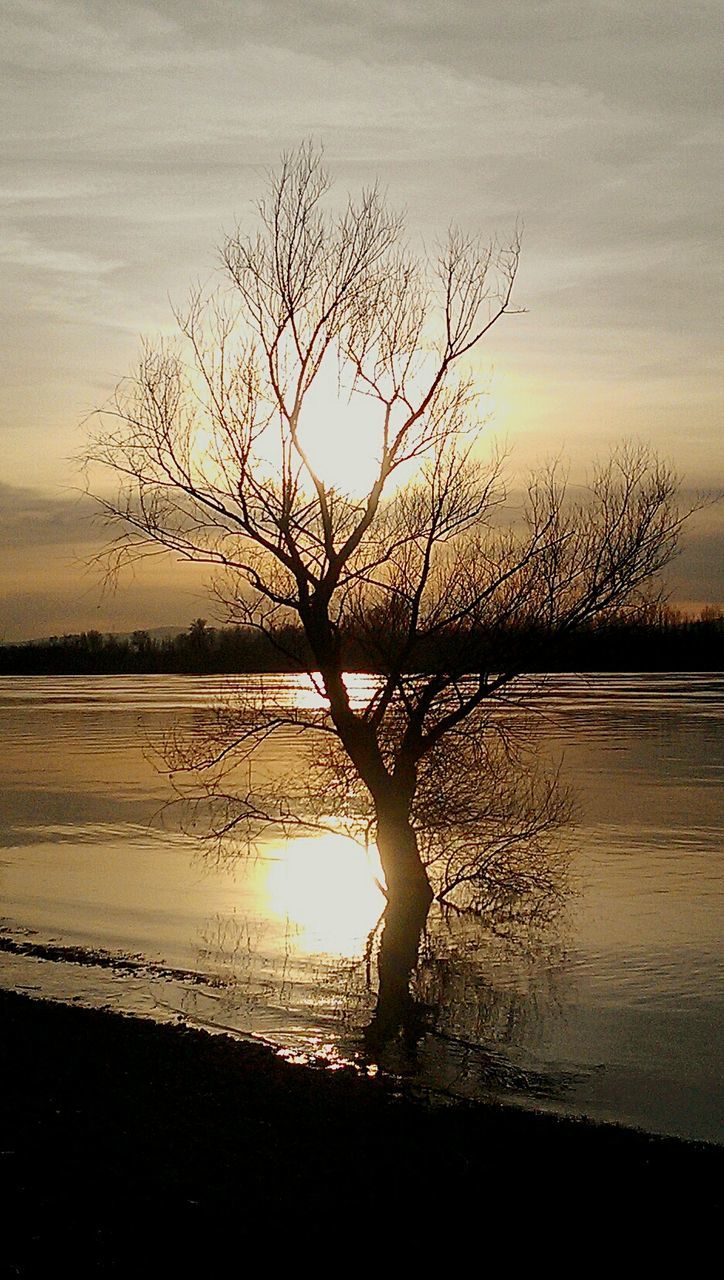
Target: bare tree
209	441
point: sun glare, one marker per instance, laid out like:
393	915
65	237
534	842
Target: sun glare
307	694
341	431
326	888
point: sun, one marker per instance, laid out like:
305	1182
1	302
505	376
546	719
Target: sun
341	432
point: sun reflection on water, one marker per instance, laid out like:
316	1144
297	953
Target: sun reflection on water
307	693
326	888
327	1054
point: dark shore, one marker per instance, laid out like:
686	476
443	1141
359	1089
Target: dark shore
123	1140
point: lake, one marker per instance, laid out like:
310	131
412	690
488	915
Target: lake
612	1009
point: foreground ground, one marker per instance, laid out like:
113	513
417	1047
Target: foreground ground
122	1141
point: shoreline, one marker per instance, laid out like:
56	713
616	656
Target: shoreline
111	1121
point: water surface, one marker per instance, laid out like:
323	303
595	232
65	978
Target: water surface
614	1011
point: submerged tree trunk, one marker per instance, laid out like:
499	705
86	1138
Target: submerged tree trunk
396	1010
408	902
408	889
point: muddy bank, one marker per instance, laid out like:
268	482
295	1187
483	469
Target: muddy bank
122	1139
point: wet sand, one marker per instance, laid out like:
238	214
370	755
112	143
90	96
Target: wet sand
124	1141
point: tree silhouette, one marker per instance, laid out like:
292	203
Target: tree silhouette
211	442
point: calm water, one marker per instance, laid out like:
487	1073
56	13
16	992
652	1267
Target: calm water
615	1010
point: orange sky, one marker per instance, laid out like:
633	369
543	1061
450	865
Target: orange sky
135	134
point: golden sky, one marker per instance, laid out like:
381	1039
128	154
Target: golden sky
134	134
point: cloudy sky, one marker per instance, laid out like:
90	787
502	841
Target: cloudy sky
134	134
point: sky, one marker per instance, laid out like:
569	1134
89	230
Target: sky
135	134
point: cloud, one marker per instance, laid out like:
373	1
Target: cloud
51	584
23	251
134	133
697	574
32	518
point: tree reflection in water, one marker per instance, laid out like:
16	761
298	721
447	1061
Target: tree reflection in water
490	821
466	1013
490	824
455	1003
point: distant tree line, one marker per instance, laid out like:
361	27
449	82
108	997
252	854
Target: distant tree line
664	641
201	649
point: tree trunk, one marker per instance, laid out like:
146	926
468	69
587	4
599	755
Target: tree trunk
408	901
396	1010
405	876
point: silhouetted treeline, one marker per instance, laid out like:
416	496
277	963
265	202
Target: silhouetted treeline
667	643
200	650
